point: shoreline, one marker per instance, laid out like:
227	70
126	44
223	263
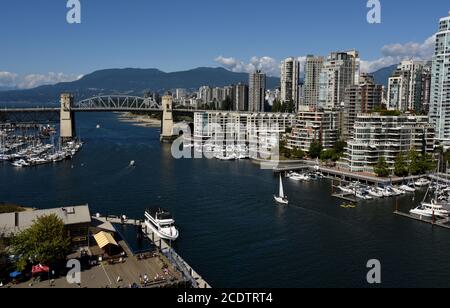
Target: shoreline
138	120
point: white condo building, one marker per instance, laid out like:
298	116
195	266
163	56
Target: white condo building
340	70
376	135
257	91
311	87
405	87
440	84
290	77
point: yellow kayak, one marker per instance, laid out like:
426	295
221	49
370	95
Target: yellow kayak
348	206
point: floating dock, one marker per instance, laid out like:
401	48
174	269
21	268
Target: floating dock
443	223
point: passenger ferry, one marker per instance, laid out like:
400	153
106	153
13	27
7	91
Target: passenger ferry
161	223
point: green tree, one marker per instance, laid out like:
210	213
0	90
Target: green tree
46	242
276	107
414	162
298	153
339	147
382	168
401	166
327	155
315	149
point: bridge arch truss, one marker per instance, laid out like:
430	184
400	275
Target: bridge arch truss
116	103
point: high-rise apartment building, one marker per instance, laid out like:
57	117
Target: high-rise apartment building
405	87
440	83
311	89
426	88
257	91
290	76
241	97
361	98
340	70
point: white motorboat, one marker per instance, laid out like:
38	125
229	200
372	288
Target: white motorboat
422	182
161	223
374	193
281	198
347	190
363	195
20	163
132	163
396	191
407	188
430	210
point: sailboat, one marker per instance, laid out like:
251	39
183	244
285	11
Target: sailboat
281	198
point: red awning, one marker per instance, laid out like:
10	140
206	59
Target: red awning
38	269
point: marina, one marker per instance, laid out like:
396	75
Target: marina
33	145
235	240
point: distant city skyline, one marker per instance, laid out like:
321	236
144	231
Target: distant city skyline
40	47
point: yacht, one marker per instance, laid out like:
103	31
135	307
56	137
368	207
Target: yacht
407	188
161	223
422	182
281	198
374	192
20	163
430	210
347	190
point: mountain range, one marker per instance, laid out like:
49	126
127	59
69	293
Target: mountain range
132	81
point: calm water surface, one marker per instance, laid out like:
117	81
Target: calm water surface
231	231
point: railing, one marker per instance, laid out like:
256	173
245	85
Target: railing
187	271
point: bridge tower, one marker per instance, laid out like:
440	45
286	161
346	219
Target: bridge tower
167	119
67	117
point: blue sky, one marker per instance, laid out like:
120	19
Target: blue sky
39	46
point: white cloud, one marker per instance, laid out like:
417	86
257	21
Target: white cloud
7	79
36	80
395	53
13	80
268	65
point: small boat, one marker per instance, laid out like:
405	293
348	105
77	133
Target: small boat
161	223
98	126
281	198
430	210
374	192
407	188
348	206
346	190
132	163
422	182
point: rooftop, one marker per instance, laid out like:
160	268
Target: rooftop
12	223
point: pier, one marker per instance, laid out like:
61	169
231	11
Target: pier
345	176
166	249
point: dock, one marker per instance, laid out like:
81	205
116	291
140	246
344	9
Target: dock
443	223
343	175
166	249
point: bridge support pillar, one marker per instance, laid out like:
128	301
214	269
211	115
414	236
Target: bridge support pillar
67	118
167	120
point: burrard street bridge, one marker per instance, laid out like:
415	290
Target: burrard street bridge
65	114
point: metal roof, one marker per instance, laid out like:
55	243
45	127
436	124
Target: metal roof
12	223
